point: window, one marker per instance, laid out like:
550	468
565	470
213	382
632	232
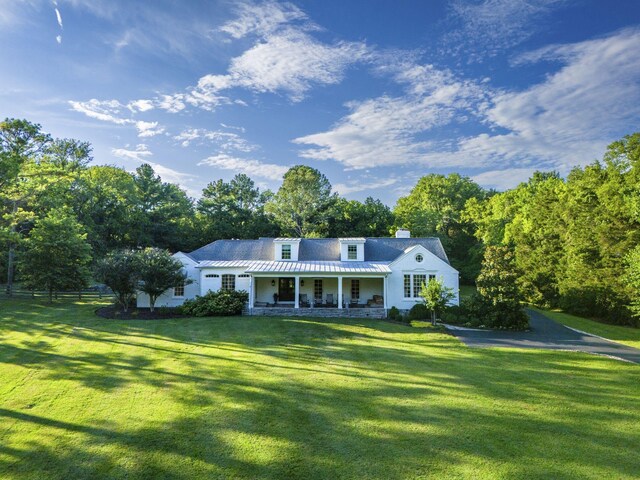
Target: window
418	280
286	252
419	258
432	277
352	252
407	286
178	290
228	282
355	289
317	289
211	275
413	284
244	275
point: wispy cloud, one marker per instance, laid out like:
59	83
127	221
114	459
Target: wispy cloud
264	18
149	129
361	185
289	61
569	118
228	141
105	110
384	131
249	166
503	179
139	154
490	26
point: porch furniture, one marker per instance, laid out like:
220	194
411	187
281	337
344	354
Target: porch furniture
329	302
376	301
304	300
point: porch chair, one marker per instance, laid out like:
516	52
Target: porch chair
304	300
329	301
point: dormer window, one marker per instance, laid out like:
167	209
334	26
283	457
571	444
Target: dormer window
286	252
352	252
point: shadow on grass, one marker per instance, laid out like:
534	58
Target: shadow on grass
292	398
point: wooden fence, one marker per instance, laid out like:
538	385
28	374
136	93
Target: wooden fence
19	292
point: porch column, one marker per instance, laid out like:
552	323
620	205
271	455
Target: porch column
384	292
251	293
339	292
297	294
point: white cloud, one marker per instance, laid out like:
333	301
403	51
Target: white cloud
226	140
141	151
570	117
148	129
59	17
563	121
248	166
105	110
383	131
59	39
262	19
140	105
361	185
490	26
171	103
289	61
503	179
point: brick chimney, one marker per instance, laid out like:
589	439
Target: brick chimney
403	233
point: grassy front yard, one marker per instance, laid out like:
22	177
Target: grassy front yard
627	335
82	397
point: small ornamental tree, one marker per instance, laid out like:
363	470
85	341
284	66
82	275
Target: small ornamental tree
632	279
436	297
56	255
120	271
159	271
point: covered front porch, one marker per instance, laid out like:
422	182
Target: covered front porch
317	295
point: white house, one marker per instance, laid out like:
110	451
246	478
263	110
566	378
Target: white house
319	277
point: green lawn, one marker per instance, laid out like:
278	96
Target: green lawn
82	397
627	335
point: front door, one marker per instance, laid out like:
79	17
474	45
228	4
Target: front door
286	289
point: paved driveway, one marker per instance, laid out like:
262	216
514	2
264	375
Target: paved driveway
547	334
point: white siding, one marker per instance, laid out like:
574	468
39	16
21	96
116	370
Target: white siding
407	264
190	291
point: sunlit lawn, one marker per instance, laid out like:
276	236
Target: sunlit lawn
83	397
627	335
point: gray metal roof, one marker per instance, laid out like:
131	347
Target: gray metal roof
300	267
376	249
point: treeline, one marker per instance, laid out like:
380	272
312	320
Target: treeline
572	239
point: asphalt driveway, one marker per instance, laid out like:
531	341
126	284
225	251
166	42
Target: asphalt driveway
547	334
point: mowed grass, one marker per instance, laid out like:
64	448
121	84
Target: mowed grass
626	335
83	397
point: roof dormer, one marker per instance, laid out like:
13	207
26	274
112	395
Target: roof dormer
352	249
286	249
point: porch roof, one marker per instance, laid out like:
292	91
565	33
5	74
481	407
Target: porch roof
301	267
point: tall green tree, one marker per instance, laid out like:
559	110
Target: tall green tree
234	209
163	211
435	208
301	205
56	255
370	218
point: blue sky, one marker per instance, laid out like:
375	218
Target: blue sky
373	93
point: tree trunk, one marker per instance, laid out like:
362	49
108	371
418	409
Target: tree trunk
50	294
152	303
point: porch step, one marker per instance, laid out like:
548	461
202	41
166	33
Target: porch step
318	312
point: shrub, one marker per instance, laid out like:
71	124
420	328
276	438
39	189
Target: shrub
418	312
394	314
477	311
215	304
